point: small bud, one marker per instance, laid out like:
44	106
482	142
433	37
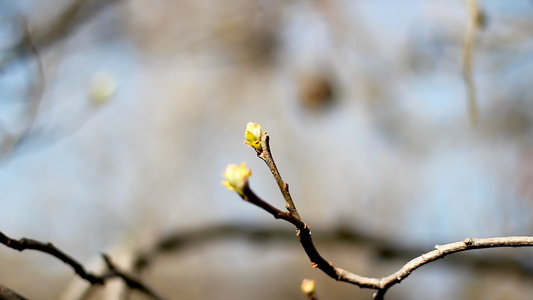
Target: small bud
253	135
237	178
308	287
103	87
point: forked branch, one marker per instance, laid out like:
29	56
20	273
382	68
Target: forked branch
240	184
49	248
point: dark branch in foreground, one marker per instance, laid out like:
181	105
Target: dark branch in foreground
384	283
379	284
49	248
266	155
128	279
8	294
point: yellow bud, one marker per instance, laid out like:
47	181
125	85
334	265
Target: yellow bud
236	178
253	135
103	87
308	287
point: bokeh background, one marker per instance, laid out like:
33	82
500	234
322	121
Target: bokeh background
117	119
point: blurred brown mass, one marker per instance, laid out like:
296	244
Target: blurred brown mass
316	90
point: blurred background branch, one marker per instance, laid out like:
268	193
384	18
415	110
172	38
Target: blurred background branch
60	27
381	249
476	21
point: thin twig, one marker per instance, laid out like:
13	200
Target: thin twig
36	96
312	297
130	281
75	14
475	22
29	244
443	250
266	156
49	248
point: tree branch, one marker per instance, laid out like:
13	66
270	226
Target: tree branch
8	294
475	22
266	155
380	284
180	240
49	248
70	19
130	281
384	283
443	250
36	96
